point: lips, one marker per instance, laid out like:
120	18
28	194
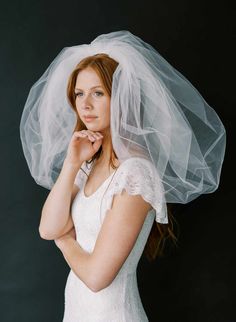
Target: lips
89	116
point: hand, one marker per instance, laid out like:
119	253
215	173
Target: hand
69	235
83	145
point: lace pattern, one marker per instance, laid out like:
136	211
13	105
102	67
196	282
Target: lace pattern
120	301
139	177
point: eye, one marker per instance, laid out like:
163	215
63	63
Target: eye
100	93
78	94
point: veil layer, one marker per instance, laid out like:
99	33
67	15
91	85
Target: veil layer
156	113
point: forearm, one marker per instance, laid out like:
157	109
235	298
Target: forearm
78	259
56	209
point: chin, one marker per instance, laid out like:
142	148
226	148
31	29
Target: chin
96	128
93	127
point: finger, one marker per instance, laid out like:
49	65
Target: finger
78	135
87	133
90	137
97	145
99	135
92	133
79	132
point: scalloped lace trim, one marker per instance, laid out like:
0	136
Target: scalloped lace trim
139	177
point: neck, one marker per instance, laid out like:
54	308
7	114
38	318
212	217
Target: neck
106	149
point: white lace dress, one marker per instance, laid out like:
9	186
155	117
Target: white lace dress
120	301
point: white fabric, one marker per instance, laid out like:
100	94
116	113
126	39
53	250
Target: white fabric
138	176
120	301
155	113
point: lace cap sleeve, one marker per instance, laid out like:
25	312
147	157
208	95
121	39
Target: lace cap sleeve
138	176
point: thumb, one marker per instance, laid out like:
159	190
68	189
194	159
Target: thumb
97	144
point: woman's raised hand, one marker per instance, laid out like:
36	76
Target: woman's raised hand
83	145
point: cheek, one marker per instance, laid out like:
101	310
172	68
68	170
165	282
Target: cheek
78	108
105	106
77	105
108	105
108	110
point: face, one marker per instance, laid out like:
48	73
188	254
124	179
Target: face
92	99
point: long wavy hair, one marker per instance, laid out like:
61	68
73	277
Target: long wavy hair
105	66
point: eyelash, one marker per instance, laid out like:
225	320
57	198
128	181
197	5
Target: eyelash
77	94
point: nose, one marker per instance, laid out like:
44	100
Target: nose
86	102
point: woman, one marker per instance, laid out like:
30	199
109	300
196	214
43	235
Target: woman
123	162
93	287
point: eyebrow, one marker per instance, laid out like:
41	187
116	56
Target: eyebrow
91	87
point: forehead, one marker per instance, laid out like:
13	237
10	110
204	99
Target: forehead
88	78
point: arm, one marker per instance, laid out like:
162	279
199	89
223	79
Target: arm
115	241
55	218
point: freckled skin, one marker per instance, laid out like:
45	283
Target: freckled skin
94	101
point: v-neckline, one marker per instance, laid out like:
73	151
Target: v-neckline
101	185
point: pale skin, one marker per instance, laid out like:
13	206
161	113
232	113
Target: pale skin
122	223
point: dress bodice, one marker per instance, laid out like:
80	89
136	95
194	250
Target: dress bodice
120	301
